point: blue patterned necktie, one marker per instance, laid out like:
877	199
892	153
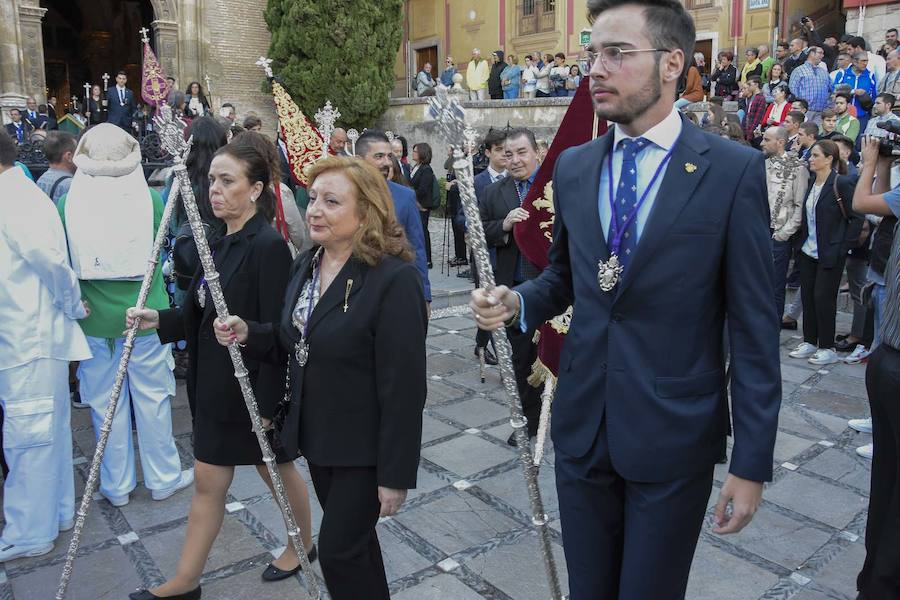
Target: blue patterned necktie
627	198
522	188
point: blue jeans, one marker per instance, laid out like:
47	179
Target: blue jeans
878	304
781	255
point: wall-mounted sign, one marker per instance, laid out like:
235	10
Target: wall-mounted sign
585	38
754	4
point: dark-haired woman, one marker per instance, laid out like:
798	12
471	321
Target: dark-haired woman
829	228
253	262
422	181
196	104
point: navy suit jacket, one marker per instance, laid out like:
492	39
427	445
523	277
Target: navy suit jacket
12	130
116	113
38	122
408	217
648	356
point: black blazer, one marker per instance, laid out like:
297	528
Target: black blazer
359	399
494	204
423	184
834	234
116	113
253	266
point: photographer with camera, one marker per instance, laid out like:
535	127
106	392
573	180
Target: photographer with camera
814	38
881	570
881	113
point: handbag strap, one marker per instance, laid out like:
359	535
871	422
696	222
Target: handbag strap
840	201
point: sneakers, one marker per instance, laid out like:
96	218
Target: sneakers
187	478
10	552
861	425
804	350
866	451
824	357
859	354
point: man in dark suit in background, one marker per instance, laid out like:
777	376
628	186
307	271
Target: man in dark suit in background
18	130
32	115
637	425
501	208
120	103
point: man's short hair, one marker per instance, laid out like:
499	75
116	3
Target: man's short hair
42	109
668	24
755	79
809	128
369	137
847	54
517	132
753	51
251	121
861	56
894	29
14	110
780	133
784	45
845	96
57	144
828	113
802	103
843	139
857	42
887	98
227	105
9	151
796	116
494	137
560	55
122	73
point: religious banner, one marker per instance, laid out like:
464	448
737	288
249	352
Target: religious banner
535	234
154	89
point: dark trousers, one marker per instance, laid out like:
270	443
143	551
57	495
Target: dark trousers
818	292
349	554
524	353
880	575
627	539
459	238
424	214
781	256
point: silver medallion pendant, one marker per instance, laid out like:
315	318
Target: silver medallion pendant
608	273
301	353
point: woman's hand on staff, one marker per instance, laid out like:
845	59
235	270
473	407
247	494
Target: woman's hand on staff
149	318
234	329
391	500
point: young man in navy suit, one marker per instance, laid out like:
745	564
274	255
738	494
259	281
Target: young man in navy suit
661	231
120	103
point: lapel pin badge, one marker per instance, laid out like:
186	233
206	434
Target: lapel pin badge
690	167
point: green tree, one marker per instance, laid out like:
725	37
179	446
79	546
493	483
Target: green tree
338	50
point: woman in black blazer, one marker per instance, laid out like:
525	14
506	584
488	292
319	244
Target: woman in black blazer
828	229
354	326
253	262
422	181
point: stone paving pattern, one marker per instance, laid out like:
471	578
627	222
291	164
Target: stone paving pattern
465	532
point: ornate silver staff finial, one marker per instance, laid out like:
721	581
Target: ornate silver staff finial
471	140
206	78
451	120
105	81
265	64
325	118
390	136
144	38
352	135
87	90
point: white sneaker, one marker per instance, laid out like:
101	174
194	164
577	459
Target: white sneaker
187	478
859	354
804	350
824	357
861	425
9	551
866	451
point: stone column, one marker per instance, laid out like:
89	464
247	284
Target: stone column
35	78
166	33
189	43
12	87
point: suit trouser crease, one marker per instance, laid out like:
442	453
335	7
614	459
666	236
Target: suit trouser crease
524	353
819	289
39	492
349	553
617	531
781	256
880	575
857	269
150	385
424	215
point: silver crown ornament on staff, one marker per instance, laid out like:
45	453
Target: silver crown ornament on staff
451	119
325	118
128	346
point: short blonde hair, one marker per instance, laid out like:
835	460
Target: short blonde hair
380	234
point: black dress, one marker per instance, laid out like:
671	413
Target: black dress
253	266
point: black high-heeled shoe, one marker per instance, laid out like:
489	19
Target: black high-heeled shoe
273	573
194	594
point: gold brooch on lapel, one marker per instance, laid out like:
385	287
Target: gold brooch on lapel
690	167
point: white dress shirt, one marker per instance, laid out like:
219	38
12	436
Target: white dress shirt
40	299
662	137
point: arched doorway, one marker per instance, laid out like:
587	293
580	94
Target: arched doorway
83	39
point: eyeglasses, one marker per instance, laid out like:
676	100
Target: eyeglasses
611	56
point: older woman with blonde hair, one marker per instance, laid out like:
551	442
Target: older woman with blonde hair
353	326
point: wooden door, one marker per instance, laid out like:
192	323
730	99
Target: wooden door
428	55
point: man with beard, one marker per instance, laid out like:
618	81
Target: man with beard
375	148
661	230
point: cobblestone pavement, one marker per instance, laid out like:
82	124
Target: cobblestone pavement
465	532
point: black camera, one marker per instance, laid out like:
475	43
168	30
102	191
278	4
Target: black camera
890	144
805	20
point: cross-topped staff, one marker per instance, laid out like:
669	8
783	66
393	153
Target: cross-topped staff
451	119
266	65
352	135
105	81
144	38
326	117
390	136
206	78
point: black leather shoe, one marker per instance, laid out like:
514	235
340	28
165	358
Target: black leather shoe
845	345
512	439
467	274
489	357
791	325
194	594
273	573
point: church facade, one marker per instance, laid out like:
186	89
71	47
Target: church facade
53	47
